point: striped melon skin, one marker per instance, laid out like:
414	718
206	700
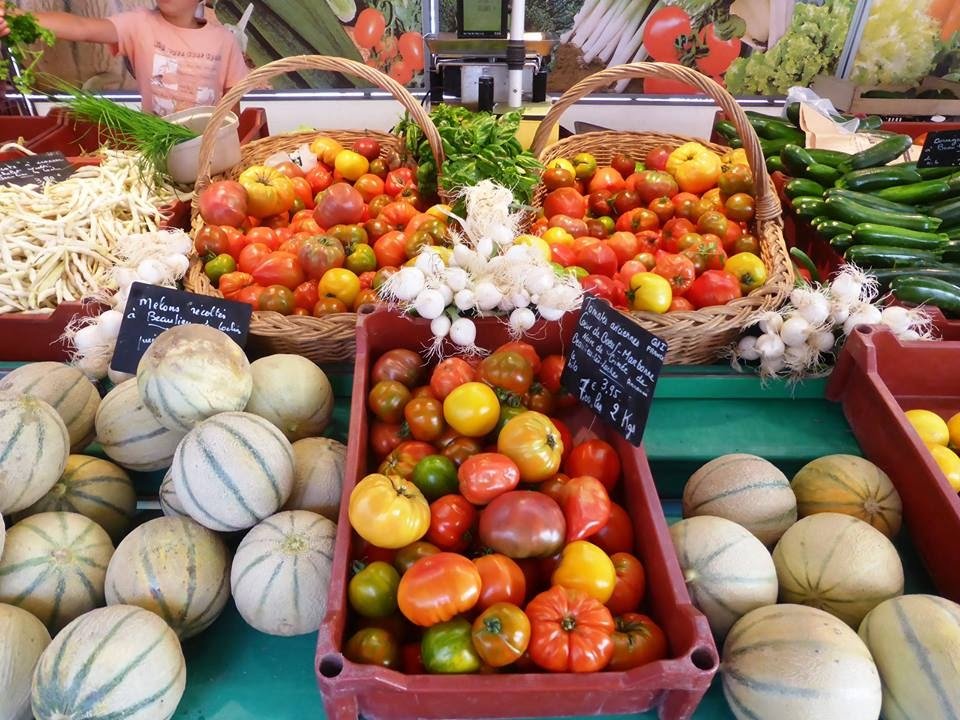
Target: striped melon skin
54	566
292	393
915	642
65	388
193	372
34	446
792	662
23	640
174	568
318	465
839	564
95	488
849	485
745	489
232	471
115	663
129	433
728	571
169	502
281	573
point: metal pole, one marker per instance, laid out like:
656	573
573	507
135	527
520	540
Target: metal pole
516	53
861	15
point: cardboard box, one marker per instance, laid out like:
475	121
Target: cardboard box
848	97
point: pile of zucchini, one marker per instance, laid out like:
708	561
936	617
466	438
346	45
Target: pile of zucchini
900	222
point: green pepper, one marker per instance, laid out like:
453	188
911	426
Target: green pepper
448	648
220	265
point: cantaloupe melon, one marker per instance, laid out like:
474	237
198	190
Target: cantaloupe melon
915	642
173	567
839	564
849	485
65	389
292	393
54	565
33	451
728	571
792	662
745	489
129	433
22	640
318	465
232	471
281	573
95	488
192	372
120	662
169	502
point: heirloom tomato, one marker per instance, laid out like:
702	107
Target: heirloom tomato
523	523
606	178
597	258
631	583
251	256
501	580
714	287
624	245
501	634
746	242
617	535
539	399
525	349
339	204
390	249
585	567
269	192
551	370
531	440
447	648
637	641
663	208
452	519
507	413
232	283
424	417
211	241
224	203
404	366
303	192
461	448
472	409
277	298
305	295
436	476
695	167
218	266
565	201
653	184
749	270
625	201
484	476
677	270
508	371
387	400
570	631
373	646
384	437
389	512
329	306
437	588
250	295
341	284
404	458
398	180
320	253
596	458
713	222
409	554
566	437
740	207
638	220
373	590
737	179
586	507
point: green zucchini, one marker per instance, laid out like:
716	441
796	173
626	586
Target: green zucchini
934	173
727	129
831	228
869	123
885	276
873	256
951	251
823	174
878	178
772	147
735	143
809	210
775	164
773	128
793	113
795	159
916	193
827	157
887	235
921	290
841	242
802	260
802	186
948	211
880	154
868	200
841	208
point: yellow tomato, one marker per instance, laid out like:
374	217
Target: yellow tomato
351	164
440	211
533	442
585	567
695	168
929	426
472	409
326	149
713	197
562	163
948	462
735	157
341	284
537	243
557	235
749	270
651	292
953	425
388	512
269	192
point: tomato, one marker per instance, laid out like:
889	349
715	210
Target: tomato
339	204
522	523
277	298
539	399
597	258
721	52
484	476
211	241
368	28
387	400
320	178
708	254
596	458
677	270
663	208
408	555
657	157
452	519
404	458
569	631
712	222
637	641
508	371
525	349
376	228
389	512
650	293
638	220
680	304
279	268
600	202
565	201
329	306
369	186
662	31
404	366
351	165
437	588
507	413
384	437
472	409
218	266
320	253
373	646
599	286
584	566
373	590
740	207
233	282
424	417
586	507
738	179
410	46
398	213
389	249
550	373
714	287
623	164
223	203
606	178
653	184
448	648
630	586
534	444
745	243
501	581
435	476
557	177
269	192
368	147
461	448
685	206
397	181
749	270
617	535
341	284
501	634
626	200
251	256
695	167
250	295
264	236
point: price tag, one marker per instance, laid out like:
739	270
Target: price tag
613	366
36	169
151	309
940	149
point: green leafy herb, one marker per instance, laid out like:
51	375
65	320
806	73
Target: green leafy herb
25	32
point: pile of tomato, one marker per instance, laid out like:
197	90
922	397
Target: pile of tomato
490	540
315	242
669	234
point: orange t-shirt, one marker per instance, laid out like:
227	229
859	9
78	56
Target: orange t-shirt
178	68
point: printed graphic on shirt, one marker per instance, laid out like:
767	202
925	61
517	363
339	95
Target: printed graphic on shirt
182	78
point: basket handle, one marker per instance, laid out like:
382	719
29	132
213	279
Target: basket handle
768	205
313	62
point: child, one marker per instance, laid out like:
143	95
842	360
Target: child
179	59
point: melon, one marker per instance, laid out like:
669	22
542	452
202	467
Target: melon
169	502
95	488
318	465
33	451
193	372
793	662
129	433
232	471
837	563
281	573
54	565
849	485
23	639
728	571
915	642
65	389
120	662
744	489
174	568
292	393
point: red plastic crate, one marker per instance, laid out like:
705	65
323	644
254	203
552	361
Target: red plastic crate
674	686
29	127
877	378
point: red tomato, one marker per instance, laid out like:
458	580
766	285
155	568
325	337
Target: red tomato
596	458
563	255
566	437
549	376
657	157
251	256
424	416
637	641
250	295
265	236
523	523
663	208
211	241
586	507
714	287
525	349
624	244
404	366
501	580
631	584
570	631
679	270
369	28
437	588
390	249
397	181
339	204
599	286
721	52
398	213
565	201
638	220
320	253
410	46
368	147
452	519
384	437
233	282
680	304
662	30
617	534
629	269
450	374
320	178
305	295
598	258
303	191
369	186
575	226
405	457
685	205
653	184
649	241
485	476
606	178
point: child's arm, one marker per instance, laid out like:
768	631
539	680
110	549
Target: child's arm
71	27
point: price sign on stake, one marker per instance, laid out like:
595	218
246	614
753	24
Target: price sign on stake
36	169
940	149
613	366
151	309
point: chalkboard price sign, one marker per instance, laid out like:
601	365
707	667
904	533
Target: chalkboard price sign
36	169
940	149
151	309
613	366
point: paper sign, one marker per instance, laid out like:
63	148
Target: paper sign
824	134
36	169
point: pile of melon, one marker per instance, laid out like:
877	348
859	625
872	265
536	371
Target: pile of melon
92	610
844	641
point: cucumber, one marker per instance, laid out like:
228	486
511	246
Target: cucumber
841	242
921	290
772	128
878	178
802	186
831	228
951	251
948	211
868	200
827	157
795	159
793	113
773	147
823	174
775	164
919	192
727	129
934	173
873	256
869	123
880	154
885	276
802	260
735	143
810	210
873	234
841	208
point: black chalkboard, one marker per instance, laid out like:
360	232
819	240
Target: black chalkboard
940	149
613	366
36	169
151	309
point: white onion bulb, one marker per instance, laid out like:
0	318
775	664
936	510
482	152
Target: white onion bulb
440	326
463	332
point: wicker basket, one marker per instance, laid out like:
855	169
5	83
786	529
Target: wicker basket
331	338
703	335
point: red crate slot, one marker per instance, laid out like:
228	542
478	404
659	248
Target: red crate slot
36	336
877	378
28	127
674	686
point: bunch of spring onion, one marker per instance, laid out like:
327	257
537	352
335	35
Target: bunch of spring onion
804	336
488	274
